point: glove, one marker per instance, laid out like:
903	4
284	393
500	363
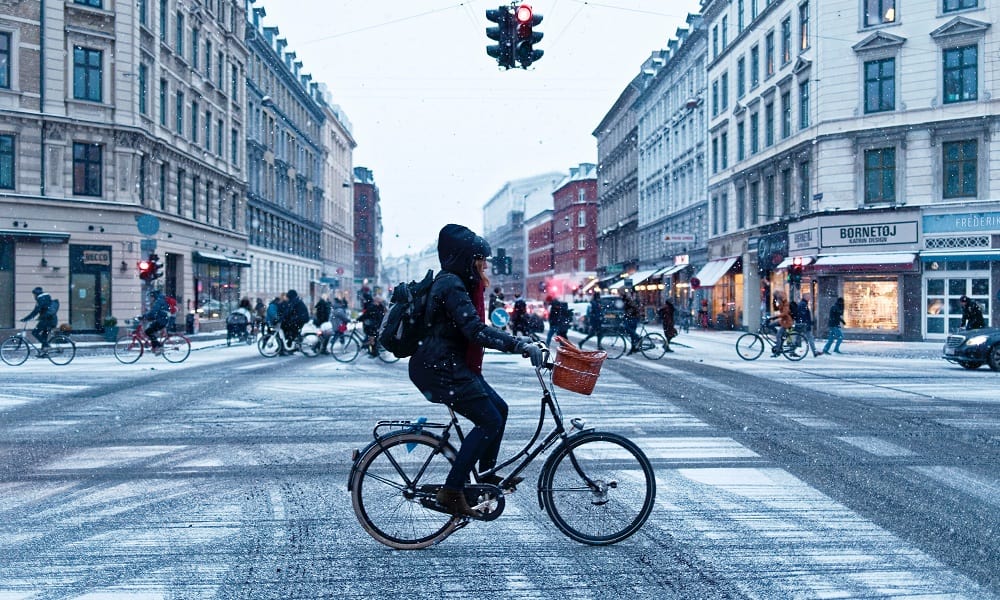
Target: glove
530	351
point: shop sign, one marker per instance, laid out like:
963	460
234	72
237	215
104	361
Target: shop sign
771	250
869	234
962	222
681	259
96	257
805	239
678	237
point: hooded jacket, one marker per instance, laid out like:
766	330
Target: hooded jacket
439	367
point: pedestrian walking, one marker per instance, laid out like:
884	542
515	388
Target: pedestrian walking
804	323
630	319
560	318
972	315
833	324
519	318
666	313
448	366
595	320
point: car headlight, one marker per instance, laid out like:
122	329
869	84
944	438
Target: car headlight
977	340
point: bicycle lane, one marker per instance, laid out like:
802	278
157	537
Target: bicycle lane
769	531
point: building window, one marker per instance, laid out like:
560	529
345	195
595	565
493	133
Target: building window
880	85
163	186
218	138
804	104
179	42
741	141
181	176
208	130
581	218
581	196
880	175
953	5
195	47
581	242
195	184
879	12
724	149
179	114
803	26
194	122
754	202
234	83
5	60
94	3
724	91
220	69
715	98
786	40
724	210
754	66
786	114
741	207
804	186
769	197
786	191
234	148
725	31
715	42
6	162
754	133
715	215
163	102
741	77
740	11
960	161
715	155
960	78
143	89
208	59
164	4
144	13
768	124
87	169
87	74
769	54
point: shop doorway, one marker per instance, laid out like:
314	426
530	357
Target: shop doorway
89	287
943	311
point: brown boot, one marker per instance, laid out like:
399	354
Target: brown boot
454	501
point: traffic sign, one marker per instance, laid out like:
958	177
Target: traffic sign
695	283
499	317
147	224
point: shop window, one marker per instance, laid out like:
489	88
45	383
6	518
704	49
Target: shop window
872	305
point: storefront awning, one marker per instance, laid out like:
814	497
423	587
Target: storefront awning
713	271
899	258
946	255
641	276
589	285
670	270
618	284
43	237
806	261
219	259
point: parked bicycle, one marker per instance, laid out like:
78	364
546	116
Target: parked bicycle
346	346
17	348
131	345
750	346
272	340
598	488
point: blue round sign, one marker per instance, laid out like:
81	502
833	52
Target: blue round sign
147	224
499	317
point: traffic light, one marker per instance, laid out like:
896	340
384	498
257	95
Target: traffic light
503	34
795	271
154	260
145	270
508	266
525	37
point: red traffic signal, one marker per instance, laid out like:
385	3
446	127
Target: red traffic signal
525	38
145	270
523	13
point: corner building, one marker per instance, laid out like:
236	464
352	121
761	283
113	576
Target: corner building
867	151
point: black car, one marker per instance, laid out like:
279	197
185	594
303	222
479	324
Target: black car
974	348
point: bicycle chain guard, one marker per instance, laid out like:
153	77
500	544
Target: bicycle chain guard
483	497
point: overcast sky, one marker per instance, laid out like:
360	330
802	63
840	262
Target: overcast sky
439	125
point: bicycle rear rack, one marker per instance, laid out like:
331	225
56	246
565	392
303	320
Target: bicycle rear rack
407	425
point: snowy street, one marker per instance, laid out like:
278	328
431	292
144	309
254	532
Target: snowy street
870	474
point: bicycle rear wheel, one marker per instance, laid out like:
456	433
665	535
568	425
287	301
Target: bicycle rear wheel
269	345
795	348
345	349
615	345
750	346
128	348
14	351
598	488
61	350
653	346
388	482
176	348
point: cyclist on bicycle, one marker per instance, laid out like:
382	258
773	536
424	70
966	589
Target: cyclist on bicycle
157	318
371	318
447	367
294	314
782	318
45	309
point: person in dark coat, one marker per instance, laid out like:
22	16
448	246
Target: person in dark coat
666	313
371	320
972	315
631	312
560	318
323	308
833	324
47	317
294	314
519	316
447	367
156	318
595	320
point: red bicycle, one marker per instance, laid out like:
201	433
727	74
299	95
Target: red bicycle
174	347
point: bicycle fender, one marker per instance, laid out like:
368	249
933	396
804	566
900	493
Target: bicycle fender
377	442
549	460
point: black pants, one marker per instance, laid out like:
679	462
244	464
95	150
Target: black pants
488	413
151	333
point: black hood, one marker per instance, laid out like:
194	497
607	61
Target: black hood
457	248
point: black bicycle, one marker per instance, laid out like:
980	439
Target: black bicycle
750	346
598	488
16	349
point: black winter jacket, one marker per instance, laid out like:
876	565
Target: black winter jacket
438	368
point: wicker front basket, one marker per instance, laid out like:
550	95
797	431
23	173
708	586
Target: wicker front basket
576	370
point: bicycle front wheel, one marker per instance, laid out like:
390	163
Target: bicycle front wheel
310	344
795	348
269	345
14	351
345	349
598	488
750	346
128	349
388	482
615	345
61	350
176	348
653	346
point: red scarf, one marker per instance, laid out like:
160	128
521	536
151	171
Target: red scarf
474	352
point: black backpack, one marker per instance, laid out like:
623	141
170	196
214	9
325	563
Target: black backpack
407	322
53	309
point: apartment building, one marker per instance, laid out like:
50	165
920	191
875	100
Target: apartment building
860	140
